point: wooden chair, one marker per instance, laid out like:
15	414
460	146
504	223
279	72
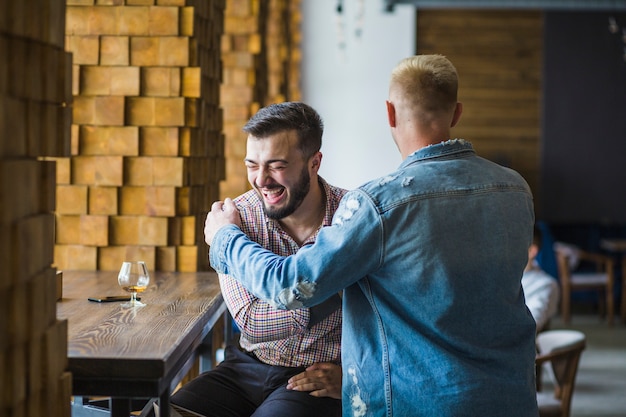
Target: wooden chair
559	351
601	279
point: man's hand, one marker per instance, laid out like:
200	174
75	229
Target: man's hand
321	379
221	214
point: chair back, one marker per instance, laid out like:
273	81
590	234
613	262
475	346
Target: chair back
561	350
575	274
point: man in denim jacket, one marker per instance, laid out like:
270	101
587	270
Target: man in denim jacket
431	258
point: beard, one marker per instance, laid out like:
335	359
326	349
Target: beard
297	193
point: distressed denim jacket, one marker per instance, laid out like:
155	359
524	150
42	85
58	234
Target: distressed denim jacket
431	258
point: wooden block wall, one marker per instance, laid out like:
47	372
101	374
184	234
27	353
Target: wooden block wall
499	64
35	116
283	51
147	142
261	57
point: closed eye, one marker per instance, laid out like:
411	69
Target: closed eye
277	167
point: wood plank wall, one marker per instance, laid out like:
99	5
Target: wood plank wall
35	115
498	55
147	143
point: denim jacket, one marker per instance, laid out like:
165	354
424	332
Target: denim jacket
431	259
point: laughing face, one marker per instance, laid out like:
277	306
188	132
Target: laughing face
278	172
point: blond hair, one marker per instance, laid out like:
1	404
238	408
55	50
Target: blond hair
425	83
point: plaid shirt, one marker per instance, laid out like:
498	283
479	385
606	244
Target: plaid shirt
281	337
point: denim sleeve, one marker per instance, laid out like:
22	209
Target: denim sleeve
343	253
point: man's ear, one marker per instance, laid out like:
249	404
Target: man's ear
457	114
391	113
316	161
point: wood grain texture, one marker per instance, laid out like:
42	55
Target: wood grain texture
35	114
111	348
498	55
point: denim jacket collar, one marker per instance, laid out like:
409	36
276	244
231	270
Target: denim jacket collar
449	147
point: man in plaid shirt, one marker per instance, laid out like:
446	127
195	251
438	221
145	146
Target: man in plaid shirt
288	364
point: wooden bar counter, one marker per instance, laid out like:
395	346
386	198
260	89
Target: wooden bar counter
139	352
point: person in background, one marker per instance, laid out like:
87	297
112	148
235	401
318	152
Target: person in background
287	206
540	289
431	258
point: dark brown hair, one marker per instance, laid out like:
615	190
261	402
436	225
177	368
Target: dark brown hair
291	115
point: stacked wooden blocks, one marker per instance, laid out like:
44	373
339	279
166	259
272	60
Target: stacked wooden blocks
35	115
241	44
147	142
283	51
261	57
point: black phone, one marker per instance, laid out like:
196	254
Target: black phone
111	298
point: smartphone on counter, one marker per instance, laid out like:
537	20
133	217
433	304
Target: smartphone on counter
111	298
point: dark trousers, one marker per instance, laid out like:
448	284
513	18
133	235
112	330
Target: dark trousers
242	386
